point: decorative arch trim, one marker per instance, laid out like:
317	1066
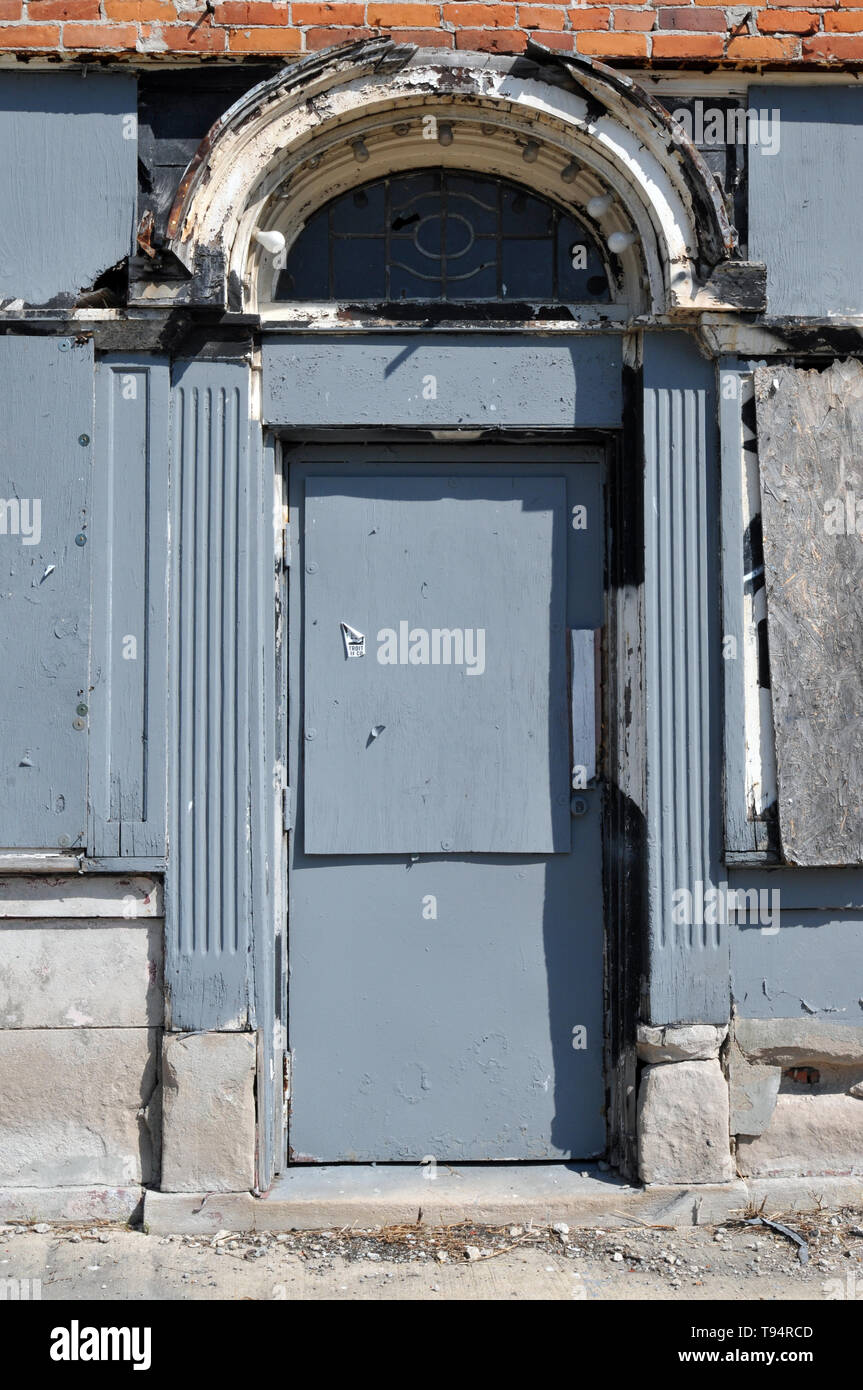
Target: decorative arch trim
289	145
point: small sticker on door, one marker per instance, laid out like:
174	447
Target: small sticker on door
355	642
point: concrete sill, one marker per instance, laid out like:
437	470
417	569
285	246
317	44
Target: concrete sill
363	1196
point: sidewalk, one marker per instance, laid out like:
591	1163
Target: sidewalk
733	1262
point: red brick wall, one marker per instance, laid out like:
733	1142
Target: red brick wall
690	33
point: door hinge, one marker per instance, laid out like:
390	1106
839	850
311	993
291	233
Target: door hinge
286	809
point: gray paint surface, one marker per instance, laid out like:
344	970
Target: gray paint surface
219	845
471	753
805	202
420	380
47	404
834	889
689	966
69	188
433	998
740	832
583	720
130	608
809	428
810	968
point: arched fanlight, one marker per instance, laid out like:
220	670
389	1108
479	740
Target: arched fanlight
444	235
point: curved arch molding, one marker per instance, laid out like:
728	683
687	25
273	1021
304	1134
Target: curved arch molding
288	145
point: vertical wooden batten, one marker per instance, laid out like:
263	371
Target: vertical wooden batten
689	973
128	701
220	848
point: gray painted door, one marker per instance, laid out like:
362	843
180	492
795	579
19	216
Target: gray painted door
445	930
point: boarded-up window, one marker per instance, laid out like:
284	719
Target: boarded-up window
810	444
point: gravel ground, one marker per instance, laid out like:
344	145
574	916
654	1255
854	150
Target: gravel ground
736	1261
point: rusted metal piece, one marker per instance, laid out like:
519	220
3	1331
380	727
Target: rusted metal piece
716	233
381	53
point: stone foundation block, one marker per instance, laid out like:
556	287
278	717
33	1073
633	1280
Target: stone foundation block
681	1042
208	1108
85	975
754	1087
74	1106
683	1124
817	1131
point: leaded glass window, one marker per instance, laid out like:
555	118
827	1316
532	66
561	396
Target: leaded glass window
438	235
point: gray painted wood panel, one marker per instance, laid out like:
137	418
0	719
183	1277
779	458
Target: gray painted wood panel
220	842
739	828
130	608
689	964
69	194
437	1003
450	731
425	381
805	201
582	704
809	968
47	406
835	890
810	425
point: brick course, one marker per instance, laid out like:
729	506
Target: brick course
680	33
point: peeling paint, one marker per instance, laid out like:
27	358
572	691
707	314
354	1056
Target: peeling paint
285	147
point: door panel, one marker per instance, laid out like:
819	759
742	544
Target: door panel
442	1002
443	726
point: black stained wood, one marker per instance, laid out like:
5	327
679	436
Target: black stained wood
173	118
810	433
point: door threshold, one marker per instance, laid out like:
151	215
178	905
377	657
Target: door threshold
365	1196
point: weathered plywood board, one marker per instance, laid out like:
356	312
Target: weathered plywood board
68	187
810	434
46	408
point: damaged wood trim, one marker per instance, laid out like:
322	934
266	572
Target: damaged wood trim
717	235
263	166
377	54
